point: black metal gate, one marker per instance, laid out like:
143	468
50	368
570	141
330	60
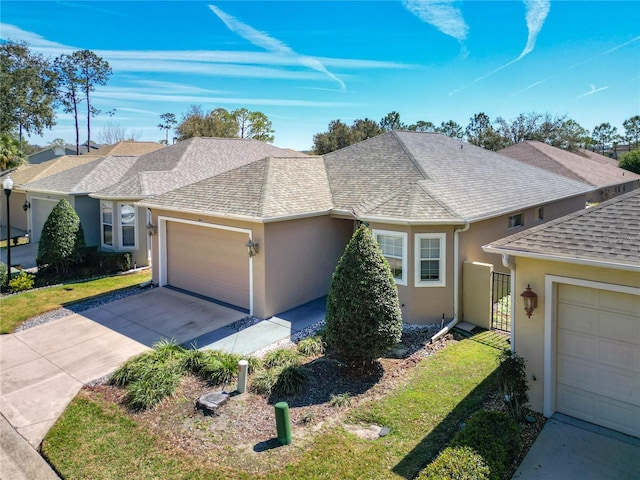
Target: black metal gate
501	301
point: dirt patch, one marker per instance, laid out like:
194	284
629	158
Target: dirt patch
243	431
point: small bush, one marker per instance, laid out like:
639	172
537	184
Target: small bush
495	436
263	381
311	346
292	380
340	400
218	368
281	357
3	274
512	382
21	282
156	383
458	463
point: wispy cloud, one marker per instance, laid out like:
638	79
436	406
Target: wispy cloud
536	14
607	52
441	14
592	91
529	87
263	40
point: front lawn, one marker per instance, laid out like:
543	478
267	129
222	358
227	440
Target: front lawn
21	306
98	437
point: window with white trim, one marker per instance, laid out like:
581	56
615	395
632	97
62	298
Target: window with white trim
107	223
430	258
515	220
127	225
394	249
539	215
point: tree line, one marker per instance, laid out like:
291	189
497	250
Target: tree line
556	130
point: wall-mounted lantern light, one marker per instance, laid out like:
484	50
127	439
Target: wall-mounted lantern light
151	229
252	248
530	300
26	206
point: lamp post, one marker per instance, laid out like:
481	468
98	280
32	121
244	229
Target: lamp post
7	184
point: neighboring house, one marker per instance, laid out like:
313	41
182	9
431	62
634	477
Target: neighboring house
583	165
431	201
73	177
122	224
21	208
582	342
50	153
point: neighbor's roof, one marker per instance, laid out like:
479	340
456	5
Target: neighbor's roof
589	167
29	173
85	178
187	162
432	178
605	235
128	148
264	189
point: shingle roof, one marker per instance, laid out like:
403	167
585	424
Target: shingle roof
267	188
589	167
85	178
29	173
128	148
608	233
458	181
187	162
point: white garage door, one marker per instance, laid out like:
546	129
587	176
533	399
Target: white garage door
598	357
208	261
40	210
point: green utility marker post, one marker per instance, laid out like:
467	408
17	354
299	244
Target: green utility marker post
283	424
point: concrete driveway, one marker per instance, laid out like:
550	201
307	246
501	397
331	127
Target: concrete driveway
44	367
568	448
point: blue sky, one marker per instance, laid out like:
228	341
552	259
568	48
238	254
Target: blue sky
305	63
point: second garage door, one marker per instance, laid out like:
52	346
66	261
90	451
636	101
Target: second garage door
208	261
598	357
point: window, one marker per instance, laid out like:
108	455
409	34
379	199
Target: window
394	248
539	214
430	254
128	225
515	220
107	224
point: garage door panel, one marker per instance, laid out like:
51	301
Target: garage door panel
598	357
209	261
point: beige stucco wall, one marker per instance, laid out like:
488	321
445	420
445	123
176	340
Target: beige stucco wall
476	297
18	215
301	257
487	231
529	333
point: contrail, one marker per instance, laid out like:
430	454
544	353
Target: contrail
441	14
262	40
537	11
592	91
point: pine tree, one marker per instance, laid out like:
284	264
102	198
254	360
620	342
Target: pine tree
363	317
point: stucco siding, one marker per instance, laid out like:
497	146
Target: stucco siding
301	257
18	215
529	333
487	231
88	209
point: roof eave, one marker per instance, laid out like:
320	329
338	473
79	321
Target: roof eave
633	267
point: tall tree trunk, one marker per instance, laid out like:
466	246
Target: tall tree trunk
75	117
88	117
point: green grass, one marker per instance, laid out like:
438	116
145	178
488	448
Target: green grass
96	440
22	306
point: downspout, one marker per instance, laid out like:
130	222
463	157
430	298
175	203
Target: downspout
507	261
456	284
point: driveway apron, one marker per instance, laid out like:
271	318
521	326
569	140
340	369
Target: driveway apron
44	367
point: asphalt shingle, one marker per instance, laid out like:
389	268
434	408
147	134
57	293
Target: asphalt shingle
608	232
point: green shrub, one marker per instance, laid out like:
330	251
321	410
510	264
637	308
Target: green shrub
512	382
281	357
292	380
263	381
363	317
631	161
495	436
458	463
340	400
3	274
311	346
218	368
21	282
156	383
62	240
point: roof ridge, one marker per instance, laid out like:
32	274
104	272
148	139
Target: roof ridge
263	186
410	155
443	204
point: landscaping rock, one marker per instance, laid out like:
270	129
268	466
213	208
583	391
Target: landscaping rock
209	402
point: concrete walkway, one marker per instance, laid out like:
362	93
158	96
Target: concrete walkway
568	448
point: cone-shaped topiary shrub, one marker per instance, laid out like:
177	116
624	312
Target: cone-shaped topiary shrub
363	317
62	240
